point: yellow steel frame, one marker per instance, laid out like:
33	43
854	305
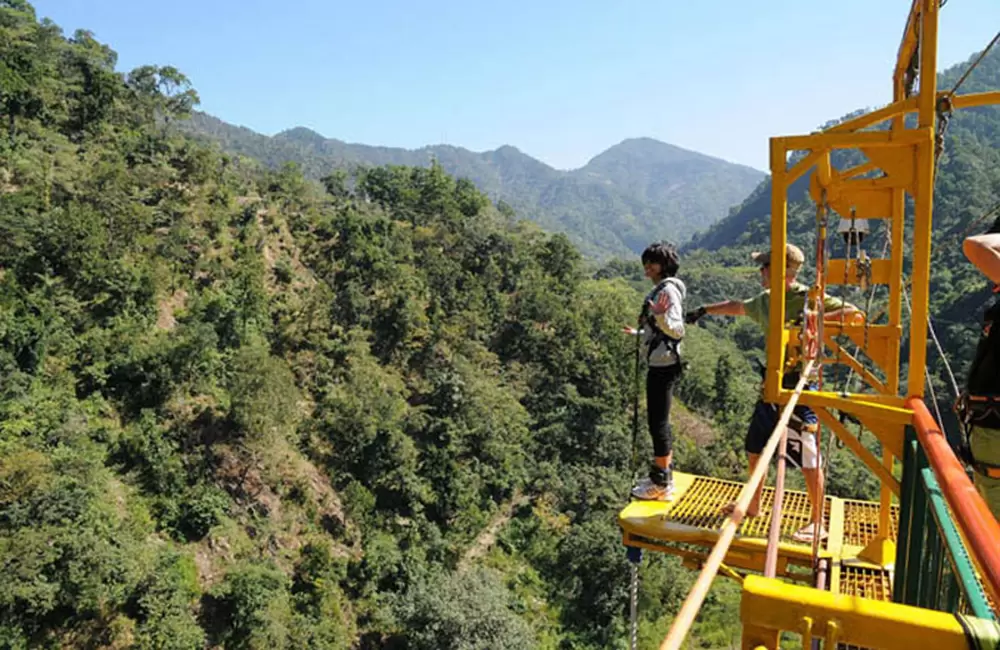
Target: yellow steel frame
906	156
771	606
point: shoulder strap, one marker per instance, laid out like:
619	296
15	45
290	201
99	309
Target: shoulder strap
796	289
987	351
659	336
648	315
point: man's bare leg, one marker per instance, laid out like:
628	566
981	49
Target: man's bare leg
814	486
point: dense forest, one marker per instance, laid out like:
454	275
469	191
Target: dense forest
245	409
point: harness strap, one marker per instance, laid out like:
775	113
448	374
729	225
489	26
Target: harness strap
977	408
659	336
978	411
986	469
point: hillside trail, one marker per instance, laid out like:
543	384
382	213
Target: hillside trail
487	537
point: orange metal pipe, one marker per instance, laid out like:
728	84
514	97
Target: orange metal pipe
975	521
774	532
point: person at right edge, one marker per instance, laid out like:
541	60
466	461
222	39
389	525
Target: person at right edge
979	405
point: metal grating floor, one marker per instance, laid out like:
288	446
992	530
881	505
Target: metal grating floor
694	518
699	507
861	522
865	582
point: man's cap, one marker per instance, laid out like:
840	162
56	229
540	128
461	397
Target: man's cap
794	257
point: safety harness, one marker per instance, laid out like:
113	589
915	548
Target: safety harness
795	422
979	403
648	319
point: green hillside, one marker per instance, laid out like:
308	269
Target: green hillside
241	409
241	412
633	193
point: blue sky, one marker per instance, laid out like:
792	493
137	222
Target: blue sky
560	80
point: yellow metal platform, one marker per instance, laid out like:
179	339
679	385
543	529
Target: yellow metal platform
688	527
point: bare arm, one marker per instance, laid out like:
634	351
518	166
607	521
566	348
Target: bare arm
726	308
848	311
984	252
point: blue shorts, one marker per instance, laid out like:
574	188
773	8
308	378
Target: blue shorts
801	447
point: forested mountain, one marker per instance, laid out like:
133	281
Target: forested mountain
240	411
637	191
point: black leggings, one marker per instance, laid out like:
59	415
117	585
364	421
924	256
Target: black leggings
659	393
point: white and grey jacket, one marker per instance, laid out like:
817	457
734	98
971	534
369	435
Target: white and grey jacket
670	323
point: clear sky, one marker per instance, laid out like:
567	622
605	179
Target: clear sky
560	80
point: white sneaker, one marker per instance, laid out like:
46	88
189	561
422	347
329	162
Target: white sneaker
805	534
646	490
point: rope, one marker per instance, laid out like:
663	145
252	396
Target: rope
729	572
972	67
685	618
774	530
927	372
951	376
848	384
634	606
635	413
826	456
975	222
930	387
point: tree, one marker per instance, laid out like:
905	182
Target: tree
94	85
336	184
27	53
463	611
723	393
162	92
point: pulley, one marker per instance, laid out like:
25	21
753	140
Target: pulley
853	231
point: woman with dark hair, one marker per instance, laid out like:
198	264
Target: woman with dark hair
661	326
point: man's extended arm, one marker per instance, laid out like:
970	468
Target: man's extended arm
835	308
724	308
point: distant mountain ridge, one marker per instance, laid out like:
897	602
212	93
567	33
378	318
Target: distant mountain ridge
635	192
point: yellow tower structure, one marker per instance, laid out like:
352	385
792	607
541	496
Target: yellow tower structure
870	583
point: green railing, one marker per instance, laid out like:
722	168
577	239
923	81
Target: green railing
933	568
